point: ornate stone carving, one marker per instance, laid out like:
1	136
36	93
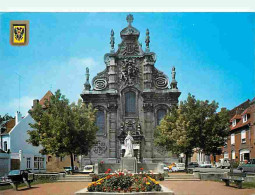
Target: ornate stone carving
160	79
147	41
130	125
112	41
129	72
148	107
107	60
129	48
173	73
130	19
173	83
150	58
161	83
87	84
100	148
112	106
100	84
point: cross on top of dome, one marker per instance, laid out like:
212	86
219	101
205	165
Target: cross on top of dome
130	19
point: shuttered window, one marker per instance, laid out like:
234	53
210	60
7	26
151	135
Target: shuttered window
232	139
243	136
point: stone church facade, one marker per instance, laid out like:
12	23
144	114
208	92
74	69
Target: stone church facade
131	94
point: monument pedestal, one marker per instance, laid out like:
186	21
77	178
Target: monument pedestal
129	164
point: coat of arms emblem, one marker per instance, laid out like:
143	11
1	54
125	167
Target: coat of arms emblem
19	32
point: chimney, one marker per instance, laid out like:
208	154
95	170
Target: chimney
17	117
35	102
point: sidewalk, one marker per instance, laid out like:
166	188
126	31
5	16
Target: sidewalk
179	187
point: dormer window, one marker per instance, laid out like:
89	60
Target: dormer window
234	122
245	118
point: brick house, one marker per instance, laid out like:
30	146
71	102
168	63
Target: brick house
240	145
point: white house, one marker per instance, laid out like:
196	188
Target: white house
23	154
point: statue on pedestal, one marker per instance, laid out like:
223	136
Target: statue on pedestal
128	142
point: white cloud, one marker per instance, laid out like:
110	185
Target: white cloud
26	103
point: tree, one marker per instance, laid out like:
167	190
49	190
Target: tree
6	117
194	124
62	128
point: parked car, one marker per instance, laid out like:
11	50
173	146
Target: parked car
88	169
223	163
180	166
20	176
248	167
166	168
193	165
68	170
205	165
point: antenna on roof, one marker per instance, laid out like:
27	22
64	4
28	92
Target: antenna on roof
19	87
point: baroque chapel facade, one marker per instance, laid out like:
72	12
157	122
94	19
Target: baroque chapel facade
131	94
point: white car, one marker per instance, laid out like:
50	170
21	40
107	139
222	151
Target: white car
88	169
166	168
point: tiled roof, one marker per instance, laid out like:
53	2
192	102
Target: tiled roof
8	126
236	116
46	97
253	101
240	123
243	106
247	111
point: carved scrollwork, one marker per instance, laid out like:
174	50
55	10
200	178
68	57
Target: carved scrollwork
100	84
100	148
161	82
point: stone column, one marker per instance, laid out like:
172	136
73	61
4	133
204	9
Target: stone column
147	73
148	131
112	132
112	73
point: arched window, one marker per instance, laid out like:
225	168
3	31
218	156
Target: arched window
160	115
130	105
100	121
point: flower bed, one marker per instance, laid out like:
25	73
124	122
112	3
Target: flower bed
157	176
121	182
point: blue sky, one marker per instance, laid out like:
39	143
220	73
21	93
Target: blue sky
213	53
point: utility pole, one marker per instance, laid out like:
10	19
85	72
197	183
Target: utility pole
19	76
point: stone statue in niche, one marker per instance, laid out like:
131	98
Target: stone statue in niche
128	142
